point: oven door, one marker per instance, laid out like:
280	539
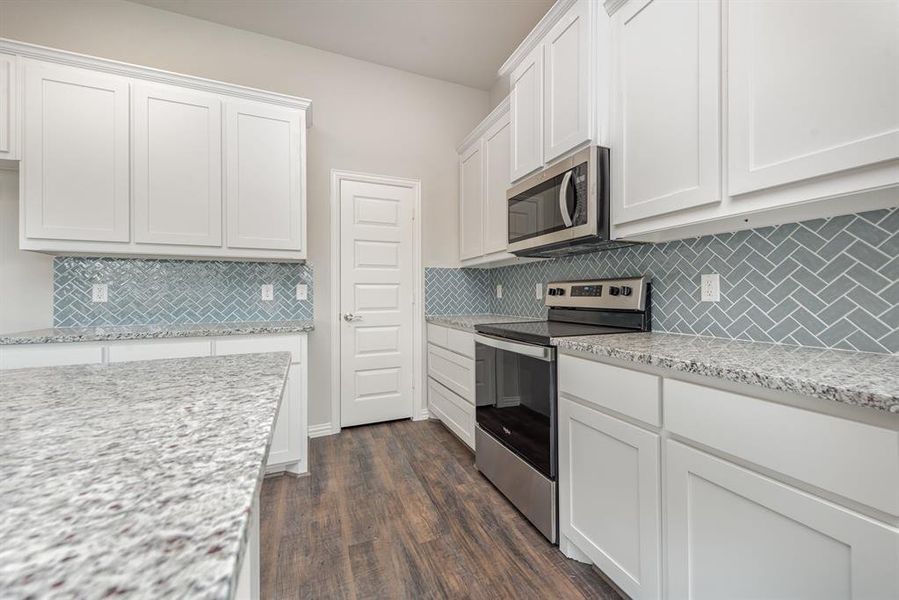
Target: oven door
516	398
555	205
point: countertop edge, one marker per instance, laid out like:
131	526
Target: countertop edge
141	332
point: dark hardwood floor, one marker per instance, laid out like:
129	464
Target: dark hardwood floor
397	510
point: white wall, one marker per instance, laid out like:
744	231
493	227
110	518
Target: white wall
366	117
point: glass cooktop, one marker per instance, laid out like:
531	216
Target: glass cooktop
541	332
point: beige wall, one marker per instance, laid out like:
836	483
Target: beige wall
366	117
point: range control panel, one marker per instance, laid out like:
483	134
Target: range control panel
627	293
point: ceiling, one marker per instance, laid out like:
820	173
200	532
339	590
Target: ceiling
463	41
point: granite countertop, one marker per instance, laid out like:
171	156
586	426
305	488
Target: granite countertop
857	378
146	332
133	479
467	322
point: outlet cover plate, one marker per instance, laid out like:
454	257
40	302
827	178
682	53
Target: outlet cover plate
499	290
302	291
267	292
538	291
710	288
99	292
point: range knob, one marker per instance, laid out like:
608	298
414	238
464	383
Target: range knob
614	291
625	290
560	291
551	291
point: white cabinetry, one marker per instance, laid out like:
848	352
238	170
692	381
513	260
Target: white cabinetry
665	123
471	201
526	109
75	162
124	160
177	170
266	199
451	380
733	533
9	124
496	183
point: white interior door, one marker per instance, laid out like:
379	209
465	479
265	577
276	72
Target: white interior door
376	302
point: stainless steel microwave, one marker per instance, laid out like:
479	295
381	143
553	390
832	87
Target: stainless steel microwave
563	209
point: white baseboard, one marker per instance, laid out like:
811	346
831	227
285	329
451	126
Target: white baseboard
322	430
422	415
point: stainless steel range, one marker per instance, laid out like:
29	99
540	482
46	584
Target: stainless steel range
516	393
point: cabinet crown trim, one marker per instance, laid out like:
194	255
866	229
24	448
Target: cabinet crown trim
155	75
495	115
536	35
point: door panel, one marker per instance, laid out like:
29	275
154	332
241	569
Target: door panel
8	107
496	162
471	216
526	110
177	167
76	151
376	286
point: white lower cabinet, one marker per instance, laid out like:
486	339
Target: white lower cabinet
733	533
451	380
609	496
453	411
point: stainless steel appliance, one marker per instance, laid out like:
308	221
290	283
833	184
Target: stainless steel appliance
563	209
516	392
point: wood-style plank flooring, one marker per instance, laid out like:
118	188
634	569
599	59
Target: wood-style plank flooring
397	510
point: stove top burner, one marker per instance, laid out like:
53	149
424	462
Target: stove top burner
542	332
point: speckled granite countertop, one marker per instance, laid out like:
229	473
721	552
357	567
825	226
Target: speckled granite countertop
146	332
857	378
135	479
467	322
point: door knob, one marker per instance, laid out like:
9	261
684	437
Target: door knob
350	317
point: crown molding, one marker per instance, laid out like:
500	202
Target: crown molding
495	115
536	35
155	75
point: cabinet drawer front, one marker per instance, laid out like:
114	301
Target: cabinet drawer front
49	355
628	392
854	460
261	343
460	342
452	370
156	349
455	412
438	334
732	533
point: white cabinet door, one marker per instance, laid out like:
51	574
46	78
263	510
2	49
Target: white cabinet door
526	110
732	533
609	497
813	89
8	122
177	172
471	202
665	116
567	83
496	178
456	413
75	154
286	447
264	181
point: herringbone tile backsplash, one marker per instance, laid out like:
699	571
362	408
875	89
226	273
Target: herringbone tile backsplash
143	291
830	283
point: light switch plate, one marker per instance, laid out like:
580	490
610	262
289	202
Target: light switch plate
499	290
302	291
268	291
99	292
710	288
538	291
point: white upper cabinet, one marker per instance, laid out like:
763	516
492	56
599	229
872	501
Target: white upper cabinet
665	107
496	183
8	108
813	89
177	166
75	184
526	105
266	199
471	202
566	90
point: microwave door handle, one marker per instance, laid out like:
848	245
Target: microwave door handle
563	199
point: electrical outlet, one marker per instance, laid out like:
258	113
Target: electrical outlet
268	291
710	288
538	291
99	292
499	290
302	291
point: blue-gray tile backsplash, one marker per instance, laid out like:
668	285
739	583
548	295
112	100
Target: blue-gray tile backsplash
830	283
150	291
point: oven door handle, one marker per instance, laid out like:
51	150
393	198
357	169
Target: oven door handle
538	352
563	198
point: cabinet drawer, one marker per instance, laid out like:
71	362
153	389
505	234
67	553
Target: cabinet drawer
455	412
854	460
156	349
452	370
49	355
252	344
461	342
437	334
628	392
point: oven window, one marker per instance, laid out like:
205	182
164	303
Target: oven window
516	403
537	211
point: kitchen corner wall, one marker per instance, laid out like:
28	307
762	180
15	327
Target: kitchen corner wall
150	291
830	283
